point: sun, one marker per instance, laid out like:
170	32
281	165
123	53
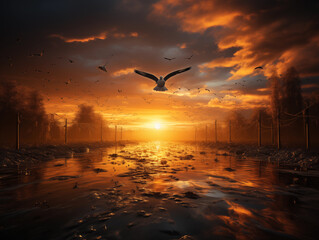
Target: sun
157	125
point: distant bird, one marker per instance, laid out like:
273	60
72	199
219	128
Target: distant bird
161	81
71	61
68	82
102	68
189	58
37	54
169	59
260	67
207	89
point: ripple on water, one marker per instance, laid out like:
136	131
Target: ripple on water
156	190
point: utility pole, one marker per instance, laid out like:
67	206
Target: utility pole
121	133
229	131
195	134
18	132
206	134
259	130
66	131
278	132
306	123
215	131
115	137
101	131
272	133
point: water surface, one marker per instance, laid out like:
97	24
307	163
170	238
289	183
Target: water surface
157	190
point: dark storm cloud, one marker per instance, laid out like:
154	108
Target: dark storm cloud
226	39
267	32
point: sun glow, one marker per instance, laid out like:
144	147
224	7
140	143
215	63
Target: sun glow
157	125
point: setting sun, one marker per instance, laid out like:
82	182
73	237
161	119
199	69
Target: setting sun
157	125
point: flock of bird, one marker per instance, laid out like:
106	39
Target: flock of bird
160	82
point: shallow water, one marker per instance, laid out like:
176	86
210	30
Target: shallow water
157	190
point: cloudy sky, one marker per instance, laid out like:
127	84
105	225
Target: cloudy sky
223	41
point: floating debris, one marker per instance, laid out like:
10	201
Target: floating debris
59	165
186	237
142	213
229	169
131	224
61	178
187	157
191	195
171	232
98	170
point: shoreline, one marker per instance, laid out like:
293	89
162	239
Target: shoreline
292	158
287	158
30	155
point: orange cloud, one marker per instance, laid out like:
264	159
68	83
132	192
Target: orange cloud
263	36
101	36
134	34
122	72
182	45
246	101
192	17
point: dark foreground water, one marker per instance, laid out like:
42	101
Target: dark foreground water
157	191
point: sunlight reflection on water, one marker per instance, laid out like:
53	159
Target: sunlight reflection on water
156	190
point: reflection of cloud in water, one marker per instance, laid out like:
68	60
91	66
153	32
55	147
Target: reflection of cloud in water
198	185
182	184
215	194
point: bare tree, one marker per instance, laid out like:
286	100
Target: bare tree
291	99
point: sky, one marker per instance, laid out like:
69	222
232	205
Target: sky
222	40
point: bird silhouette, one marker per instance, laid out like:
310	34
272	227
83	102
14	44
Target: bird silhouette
37	54
260	67
68	82
189	57
161	81
169	59
102	68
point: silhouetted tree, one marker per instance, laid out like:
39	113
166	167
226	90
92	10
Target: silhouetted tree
285	93
275	95
291	98
87	125
29	105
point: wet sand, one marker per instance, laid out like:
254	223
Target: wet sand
158	190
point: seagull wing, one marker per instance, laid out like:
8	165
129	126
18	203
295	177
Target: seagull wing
148	75
176	72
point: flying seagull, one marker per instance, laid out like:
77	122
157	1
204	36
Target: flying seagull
169	59
37	54
161	81
260	67
102	68
189	58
